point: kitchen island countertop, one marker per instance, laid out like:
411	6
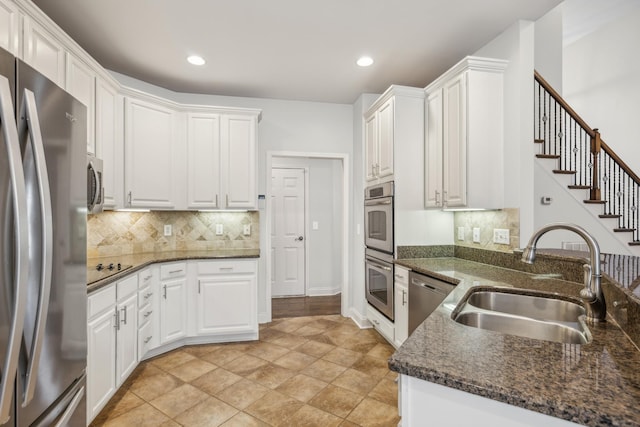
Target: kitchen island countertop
141	260
596	384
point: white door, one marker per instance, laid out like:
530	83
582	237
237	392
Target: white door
287	232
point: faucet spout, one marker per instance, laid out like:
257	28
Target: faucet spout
592	294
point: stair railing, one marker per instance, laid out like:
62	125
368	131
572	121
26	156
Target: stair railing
580	151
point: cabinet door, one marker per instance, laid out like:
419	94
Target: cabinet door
127	338
455	142
81	83
173	310
109	142
9	28
385	139
238	161
43	52
371	147
227	304
401	316
101	362
150	172
203	145
433	150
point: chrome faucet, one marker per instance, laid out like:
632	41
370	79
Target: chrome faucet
592	293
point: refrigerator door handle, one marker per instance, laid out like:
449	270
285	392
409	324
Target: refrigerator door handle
71	409
18	190
30	111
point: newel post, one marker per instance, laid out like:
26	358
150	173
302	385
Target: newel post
596	143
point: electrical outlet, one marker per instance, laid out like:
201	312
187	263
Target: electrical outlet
167	229
476	234
219	230
460	233
247	229
501	236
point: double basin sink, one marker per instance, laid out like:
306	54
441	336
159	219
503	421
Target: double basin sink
523	313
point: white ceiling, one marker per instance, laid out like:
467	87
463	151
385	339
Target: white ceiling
286	49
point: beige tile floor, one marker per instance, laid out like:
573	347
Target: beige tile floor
304	371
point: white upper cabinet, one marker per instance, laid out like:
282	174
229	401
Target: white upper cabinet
464	136
43	52
379	128
109	141
81	83
9	27
152	170
203	146
238	161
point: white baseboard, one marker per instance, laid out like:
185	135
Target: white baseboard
359	319
323	292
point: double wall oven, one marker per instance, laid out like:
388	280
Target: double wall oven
378	226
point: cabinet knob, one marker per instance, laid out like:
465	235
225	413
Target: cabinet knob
300	238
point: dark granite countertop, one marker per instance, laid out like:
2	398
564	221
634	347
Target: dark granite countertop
596	384
142	260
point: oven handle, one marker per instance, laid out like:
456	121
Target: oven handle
377	202
375	264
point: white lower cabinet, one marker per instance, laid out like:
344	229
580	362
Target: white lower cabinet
401	305
381	323
173	302
127	337
226	298
148	311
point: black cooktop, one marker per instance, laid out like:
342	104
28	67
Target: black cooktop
102	271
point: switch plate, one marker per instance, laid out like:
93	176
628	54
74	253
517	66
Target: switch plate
167	229
314	225
247	230
460	233
219	230
501	236
476	234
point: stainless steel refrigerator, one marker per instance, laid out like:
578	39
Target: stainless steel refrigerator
43	336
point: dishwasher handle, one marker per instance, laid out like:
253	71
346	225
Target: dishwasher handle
443	289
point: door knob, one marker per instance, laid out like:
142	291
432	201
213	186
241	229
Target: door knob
300	238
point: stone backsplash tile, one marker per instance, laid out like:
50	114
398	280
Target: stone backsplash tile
487	221
122	233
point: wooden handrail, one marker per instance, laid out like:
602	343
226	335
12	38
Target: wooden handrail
619	161
555	95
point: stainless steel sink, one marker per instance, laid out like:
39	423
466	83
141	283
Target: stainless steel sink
518	312
537	307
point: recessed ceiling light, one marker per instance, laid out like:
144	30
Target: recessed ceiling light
364	61
196	60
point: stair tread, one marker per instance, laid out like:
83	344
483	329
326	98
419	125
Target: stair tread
562	171
547	156
622	230
595	202
538	141
579	187
609	216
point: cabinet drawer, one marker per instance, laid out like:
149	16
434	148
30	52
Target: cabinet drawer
170	271
145	314
146	277
127	286
401	275
226	267
381	323
145	296
146	339
101	300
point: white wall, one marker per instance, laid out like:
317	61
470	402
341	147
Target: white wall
296	126
548	47
516	45
602	81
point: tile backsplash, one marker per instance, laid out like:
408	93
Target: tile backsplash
121	233
487	221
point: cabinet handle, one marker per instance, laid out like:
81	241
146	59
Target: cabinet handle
148	313
437	197
165	292
199	286
175	271
124	311
227	200
147	296
444	197
231	268
129	197
399	276
147	339
148	277
404	297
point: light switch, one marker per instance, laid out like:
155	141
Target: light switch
476	234
460	233
167	229
247	229
501	236
219	230
314	225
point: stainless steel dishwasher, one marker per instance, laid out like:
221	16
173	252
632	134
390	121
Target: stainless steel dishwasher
425	295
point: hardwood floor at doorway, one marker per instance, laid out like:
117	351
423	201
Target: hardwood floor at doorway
305	306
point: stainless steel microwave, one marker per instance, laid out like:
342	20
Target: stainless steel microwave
95	186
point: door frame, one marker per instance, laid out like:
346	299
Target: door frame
346	225
305	170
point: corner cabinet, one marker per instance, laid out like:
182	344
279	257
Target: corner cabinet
464	143
152	169
221	162
110	141
173	302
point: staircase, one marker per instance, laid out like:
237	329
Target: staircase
580	152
